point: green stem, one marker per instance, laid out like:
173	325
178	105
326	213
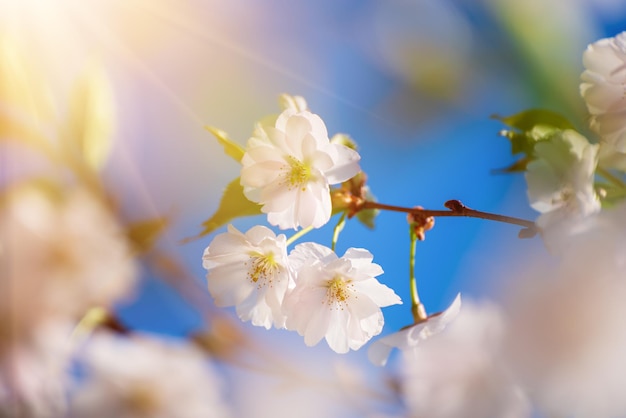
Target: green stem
299	234
337	230
611	177
417	308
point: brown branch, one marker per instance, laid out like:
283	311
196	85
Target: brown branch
456	208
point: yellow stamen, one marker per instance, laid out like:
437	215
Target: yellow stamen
339	292
262	269
299	173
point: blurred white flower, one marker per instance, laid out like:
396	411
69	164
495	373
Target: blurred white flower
34	374
560	180
136	377
310	384
603	89
568	334
249	271
288	167
409	337
64	253
460	372
336	298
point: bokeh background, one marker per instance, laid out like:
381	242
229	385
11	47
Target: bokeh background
413	82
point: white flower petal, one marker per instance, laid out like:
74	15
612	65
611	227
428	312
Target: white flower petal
308	252
408	338
142	376
314	327
561	179
381	295
346	164
337	334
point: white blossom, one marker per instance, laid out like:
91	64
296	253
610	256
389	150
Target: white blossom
335	298
288	167
305	384
603	87
138	376
561	179
64	253
568	334
460	371
249	271
34	374
409	337
61	252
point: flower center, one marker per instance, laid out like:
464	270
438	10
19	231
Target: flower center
143	399
262	269
339	291
567	200
299	173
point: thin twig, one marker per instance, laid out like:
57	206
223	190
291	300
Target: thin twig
456	208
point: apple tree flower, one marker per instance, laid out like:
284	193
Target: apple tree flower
602	88
336	298
249	271
288	167
34	374
141	376
461	371
560	179
568	334
65	253
409	337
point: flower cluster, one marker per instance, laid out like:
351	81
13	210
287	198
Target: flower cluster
48	243
571	176
440	382
311	290
58	266
68	259
556	345
512	356
288	166
121	379
552	344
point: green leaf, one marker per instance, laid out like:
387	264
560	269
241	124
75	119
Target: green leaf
526	120
143	234
520	143
529	128
231	148
367	217
610	194
234	204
